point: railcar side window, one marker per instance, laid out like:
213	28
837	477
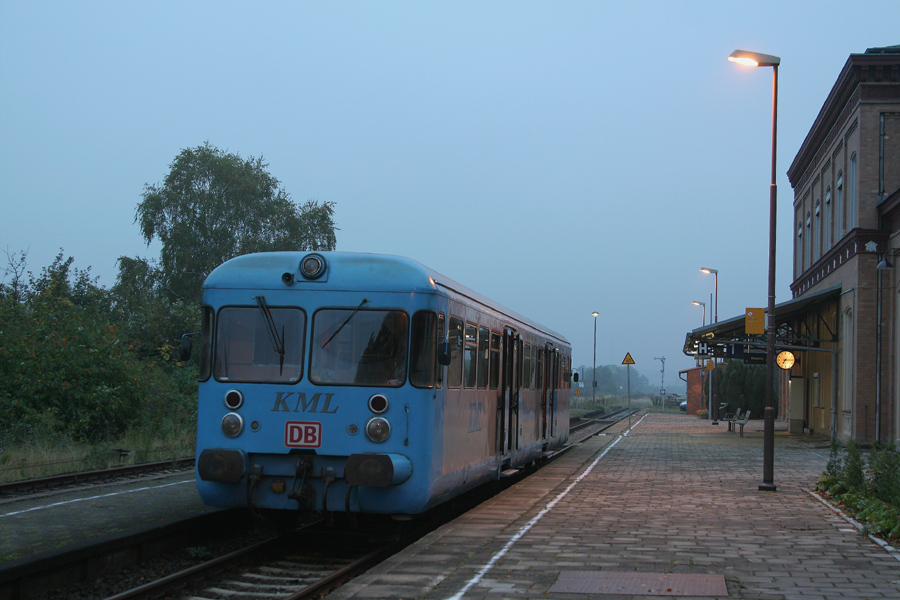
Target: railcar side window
206	331
527	381
471	354
359	347
454	371
539	369
252	348
484	335
495	361
438	367
423	349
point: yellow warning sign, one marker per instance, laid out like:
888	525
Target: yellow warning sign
628	360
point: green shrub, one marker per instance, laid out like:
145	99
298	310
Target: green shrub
874	501
854	468
834	466
884	464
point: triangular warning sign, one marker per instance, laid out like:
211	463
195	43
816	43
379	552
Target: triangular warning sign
628	360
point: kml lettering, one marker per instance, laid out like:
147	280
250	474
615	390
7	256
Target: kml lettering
302	404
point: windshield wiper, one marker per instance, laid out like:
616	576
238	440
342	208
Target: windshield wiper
277	341
353	314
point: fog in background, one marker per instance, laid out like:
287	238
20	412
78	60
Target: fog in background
558	157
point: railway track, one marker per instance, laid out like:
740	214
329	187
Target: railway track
598	419
67	480
300	564
275	562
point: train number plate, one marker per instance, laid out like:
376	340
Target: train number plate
302	434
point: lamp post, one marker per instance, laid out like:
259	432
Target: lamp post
755	59
703	305
715	272
594	388
713	406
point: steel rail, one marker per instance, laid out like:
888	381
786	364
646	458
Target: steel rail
88	476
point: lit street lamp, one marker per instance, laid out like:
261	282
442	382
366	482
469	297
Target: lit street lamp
715	272
594	389
703	305
755	59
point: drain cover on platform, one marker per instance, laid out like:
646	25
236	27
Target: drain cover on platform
639	584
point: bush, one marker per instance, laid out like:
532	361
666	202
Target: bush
703	413
854	467
67	371
884	463
875	499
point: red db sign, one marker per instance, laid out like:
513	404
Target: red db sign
302	434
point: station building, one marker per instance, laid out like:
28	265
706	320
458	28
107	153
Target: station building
841	324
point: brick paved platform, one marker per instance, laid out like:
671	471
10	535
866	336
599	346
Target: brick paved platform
672	495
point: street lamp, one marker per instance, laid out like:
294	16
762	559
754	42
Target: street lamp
755	59
715	272
594	389
703	305
713	406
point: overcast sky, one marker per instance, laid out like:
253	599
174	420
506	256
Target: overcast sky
559	157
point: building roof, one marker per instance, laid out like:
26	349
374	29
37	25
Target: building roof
876	66
733	328
885	50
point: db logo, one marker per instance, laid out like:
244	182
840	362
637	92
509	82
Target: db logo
302	434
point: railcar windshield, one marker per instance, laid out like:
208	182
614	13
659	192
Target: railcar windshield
259	344
359	347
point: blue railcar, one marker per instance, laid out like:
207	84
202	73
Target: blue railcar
336	381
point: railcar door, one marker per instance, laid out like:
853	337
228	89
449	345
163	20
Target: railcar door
542	384
554	385
508	401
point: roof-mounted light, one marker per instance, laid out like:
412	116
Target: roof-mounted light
312	266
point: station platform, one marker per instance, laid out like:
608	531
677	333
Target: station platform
668	507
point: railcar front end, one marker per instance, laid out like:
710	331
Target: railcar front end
317	389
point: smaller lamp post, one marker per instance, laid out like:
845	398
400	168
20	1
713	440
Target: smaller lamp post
703	317
594	388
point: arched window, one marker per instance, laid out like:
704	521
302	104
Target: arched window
851	194
809	240
817	233
839	206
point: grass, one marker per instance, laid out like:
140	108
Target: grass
45	457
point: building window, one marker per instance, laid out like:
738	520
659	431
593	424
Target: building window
817	233
798	251
851	193
828	224
809	240
839	205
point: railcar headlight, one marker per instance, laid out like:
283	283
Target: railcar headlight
232	424
378	429
234	399
378	403
312	266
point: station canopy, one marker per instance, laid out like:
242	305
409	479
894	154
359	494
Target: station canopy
732	330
